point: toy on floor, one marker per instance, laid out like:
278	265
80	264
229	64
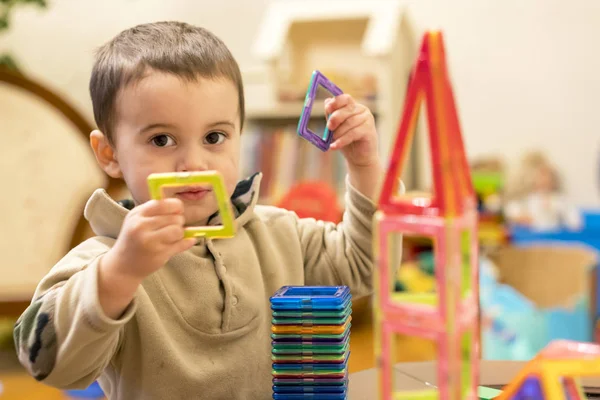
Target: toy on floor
313	199
449	217
554	373
322	141
488	182
412	279
211	180
311	342
537	199
416	271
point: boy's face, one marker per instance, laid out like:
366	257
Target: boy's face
167	124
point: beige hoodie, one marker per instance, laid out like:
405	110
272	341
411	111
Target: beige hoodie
199	328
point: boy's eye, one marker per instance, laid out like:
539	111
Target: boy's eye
214	138
162	141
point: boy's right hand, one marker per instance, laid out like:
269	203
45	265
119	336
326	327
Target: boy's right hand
151	234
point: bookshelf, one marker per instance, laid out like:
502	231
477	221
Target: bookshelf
284	159
365	47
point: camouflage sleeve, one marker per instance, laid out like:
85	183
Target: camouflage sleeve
64	338
35	337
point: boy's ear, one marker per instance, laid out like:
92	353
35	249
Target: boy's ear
105	154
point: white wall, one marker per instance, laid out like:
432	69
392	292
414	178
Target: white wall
525	72
57	45
526	76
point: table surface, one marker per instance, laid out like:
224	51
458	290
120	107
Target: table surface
411	376
362	386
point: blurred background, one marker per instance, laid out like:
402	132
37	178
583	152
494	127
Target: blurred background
526	83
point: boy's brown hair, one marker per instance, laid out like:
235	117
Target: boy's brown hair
178	48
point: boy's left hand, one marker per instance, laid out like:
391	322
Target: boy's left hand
354	132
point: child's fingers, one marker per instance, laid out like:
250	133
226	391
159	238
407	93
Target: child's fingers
184	245
169	234
327	108
338	102
161	221
340	115
349	124
345	139
161	207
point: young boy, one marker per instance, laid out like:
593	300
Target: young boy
150	314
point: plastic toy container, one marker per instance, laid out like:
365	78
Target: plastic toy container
589	236
532	295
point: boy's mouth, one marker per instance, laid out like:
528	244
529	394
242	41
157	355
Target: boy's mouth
192	192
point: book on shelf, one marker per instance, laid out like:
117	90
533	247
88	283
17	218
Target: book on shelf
285	159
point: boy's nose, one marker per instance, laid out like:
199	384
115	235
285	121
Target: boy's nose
191	167
192	162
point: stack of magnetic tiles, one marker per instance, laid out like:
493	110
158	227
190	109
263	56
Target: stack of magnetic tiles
311	342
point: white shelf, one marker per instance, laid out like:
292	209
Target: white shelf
366	47
385	17
290	110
